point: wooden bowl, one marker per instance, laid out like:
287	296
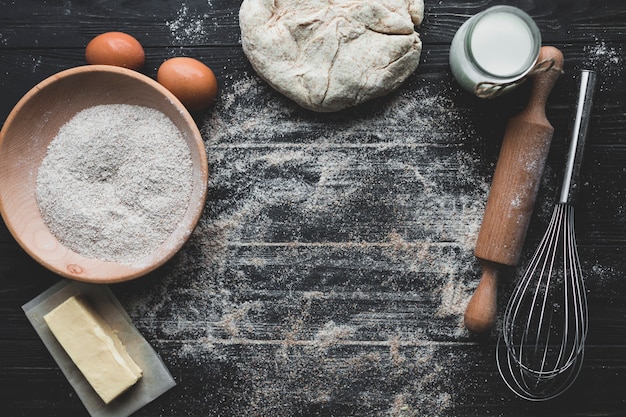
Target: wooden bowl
32	125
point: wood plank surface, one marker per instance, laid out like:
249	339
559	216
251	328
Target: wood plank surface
330	270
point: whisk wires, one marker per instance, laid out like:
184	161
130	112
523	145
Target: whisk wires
545	322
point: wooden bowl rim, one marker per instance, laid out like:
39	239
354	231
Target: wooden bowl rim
196	206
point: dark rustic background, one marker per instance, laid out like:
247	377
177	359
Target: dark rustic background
329	273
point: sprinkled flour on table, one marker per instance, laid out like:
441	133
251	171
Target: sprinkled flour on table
115	182
334	251
188	26
604	58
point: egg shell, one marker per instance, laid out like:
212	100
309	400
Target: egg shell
115	48
191	81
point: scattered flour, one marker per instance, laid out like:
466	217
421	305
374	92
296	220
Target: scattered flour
331	334
604	58
335	251
188	26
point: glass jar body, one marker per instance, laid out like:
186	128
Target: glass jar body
498	46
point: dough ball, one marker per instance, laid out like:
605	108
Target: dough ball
328	55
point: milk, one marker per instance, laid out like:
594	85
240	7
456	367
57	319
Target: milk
498	46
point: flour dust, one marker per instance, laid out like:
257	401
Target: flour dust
189	25
335	252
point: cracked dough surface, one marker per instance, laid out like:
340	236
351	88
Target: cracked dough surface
328	55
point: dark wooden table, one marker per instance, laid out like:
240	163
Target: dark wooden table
330	270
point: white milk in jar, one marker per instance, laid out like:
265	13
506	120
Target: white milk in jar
496	47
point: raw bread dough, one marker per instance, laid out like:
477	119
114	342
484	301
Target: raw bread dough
327	55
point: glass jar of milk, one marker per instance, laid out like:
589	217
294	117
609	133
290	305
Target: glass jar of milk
494	48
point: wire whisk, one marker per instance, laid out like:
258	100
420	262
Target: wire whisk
541	350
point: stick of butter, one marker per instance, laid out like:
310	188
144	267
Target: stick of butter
94	347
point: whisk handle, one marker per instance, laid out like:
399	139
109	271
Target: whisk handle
580	127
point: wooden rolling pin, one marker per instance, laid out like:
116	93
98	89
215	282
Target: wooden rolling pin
513	192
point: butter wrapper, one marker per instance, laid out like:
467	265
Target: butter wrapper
156	378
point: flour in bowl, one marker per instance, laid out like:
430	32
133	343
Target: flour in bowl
115	182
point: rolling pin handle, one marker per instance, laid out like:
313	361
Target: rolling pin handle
544	82
480	313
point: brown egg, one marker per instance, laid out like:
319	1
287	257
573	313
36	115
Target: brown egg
115	48
192	82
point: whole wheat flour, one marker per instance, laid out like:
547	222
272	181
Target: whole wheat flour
115	182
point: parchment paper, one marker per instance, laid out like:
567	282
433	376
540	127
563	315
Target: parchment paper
156	379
